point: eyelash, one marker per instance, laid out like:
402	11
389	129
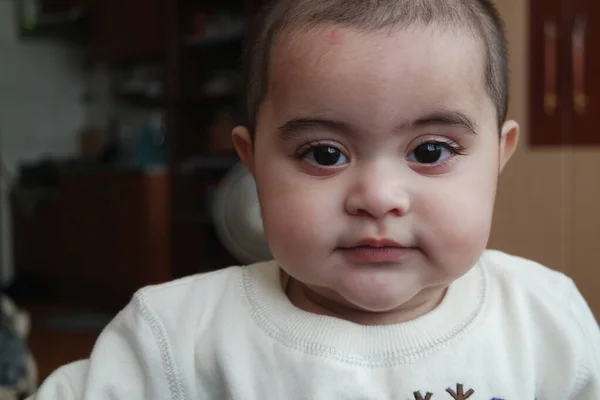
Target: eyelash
457	150
309	145
451	146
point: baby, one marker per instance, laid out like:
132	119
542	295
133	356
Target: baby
377	132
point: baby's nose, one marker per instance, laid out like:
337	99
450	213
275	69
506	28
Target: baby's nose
378	194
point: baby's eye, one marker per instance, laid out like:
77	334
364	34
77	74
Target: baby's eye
327	156
431	153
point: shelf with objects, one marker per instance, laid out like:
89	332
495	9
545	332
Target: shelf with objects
204	103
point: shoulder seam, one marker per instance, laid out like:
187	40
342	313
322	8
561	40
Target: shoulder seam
166	353
572	292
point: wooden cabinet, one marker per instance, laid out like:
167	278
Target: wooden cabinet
124	31
548	79
116	31
204	49
585	31
564	88
97	238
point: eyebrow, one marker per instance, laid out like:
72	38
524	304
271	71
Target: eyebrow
445	118
298	126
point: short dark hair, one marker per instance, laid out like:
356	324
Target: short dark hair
280	17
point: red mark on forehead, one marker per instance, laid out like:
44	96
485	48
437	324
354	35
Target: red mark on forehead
333	36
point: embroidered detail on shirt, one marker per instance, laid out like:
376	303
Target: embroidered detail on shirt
460	394
419	396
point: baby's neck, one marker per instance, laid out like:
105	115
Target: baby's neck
310	301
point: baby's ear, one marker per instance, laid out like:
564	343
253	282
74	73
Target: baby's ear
242	140
509	141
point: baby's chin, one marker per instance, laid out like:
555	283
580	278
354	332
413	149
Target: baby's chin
381	302
394	303
378	288
388	311
362	293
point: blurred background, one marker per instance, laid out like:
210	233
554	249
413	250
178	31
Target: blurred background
115	122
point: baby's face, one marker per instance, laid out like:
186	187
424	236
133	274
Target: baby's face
369	140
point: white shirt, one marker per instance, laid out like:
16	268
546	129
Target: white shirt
508	329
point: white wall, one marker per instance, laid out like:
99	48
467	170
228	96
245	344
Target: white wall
41	87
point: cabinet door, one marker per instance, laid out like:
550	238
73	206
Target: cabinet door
585	64
548	73
131	30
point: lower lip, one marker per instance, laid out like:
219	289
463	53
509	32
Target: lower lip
369	254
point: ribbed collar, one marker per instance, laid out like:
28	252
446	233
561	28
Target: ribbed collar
335	338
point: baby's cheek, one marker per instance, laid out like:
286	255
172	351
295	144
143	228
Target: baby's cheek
290	226
458	231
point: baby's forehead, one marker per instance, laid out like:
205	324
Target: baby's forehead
335	33
378	80
417	45
415	61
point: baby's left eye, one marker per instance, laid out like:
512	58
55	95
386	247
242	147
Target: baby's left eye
324	155
431	153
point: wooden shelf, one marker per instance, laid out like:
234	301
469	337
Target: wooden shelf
192	61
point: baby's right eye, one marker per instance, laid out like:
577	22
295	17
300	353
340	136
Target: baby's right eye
324	155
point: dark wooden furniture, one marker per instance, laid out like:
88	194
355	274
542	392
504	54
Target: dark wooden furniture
103	235
126	31
97	238
53	348
170	32
564	85
191	62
